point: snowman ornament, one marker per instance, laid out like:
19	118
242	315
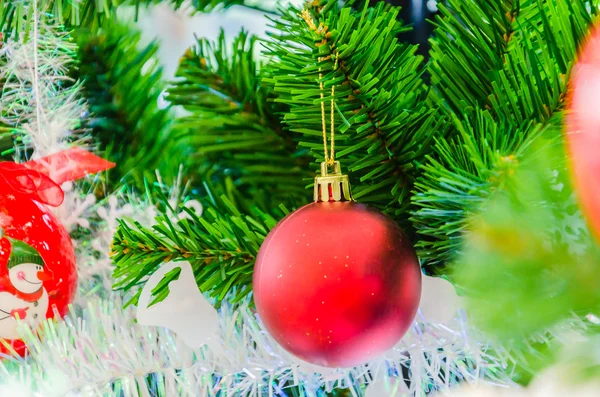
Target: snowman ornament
22	293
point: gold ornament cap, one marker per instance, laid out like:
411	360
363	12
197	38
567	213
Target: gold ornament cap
332	186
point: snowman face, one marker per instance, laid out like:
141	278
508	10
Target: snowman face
24	277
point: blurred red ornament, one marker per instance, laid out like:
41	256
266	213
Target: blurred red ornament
337	283
583	128
38	272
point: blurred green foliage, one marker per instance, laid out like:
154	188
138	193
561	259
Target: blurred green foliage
501	69
529	264
122	83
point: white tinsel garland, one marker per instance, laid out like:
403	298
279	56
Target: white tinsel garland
101	351
38	97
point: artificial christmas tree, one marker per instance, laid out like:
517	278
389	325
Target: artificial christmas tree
464	151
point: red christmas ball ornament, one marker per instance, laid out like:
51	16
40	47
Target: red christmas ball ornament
583	128
37	266
38	272
336	283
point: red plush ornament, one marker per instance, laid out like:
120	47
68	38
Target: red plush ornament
38	273
337	283
583	128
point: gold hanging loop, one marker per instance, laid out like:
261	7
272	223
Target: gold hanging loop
332	156
329	157
323	121
331	185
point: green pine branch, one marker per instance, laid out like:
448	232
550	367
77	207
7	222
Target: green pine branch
502	71
231	133
7	143
470	44
7	133
122	84
384	126
15	16
221	246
